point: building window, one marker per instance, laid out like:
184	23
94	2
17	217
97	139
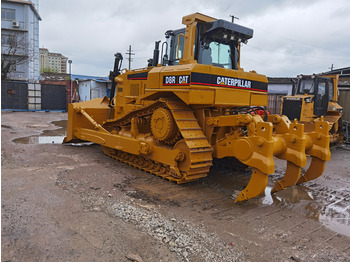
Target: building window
5	39
13	66
8	14
8	39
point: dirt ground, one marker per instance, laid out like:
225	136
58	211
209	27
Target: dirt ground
73	203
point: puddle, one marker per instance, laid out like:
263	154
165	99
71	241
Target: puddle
339	225
335	216
39	140
47	136
291	195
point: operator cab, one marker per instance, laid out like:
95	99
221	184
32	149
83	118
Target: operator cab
320	88
217	43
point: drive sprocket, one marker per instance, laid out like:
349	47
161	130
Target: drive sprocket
163	126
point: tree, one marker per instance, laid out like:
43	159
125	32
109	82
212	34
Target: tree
49	70
15	51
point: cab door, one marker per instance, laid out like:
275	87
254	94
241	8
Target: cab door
174	41
321	97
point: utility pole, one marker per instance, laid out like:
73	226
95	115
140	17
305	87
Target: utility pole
129	53
71	81
233	18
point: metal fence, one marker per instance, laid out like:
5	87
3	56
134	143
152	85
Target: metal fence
14	95
53	97
24	96
274	103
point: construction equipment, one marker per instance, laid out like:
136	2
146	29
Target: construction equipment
314	96
172	119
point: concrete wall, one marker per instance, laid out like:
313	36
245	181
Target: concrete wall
34	96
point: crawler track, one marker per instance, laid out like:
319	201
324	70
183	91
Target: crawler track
191	140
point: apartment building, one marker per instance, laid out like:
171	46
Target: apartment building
52	62
20	40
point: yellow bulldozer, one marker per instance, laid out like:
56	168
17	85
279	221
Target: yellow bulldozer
314	96
175	116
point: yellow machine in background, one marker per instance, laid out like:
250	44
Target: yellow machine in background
172	119
314	96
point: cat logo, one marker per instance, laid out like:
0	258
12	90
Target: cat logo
176	80
183	80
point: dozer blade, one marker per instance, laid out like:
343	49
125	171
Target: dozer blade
315	170
80	116
291	176
255	187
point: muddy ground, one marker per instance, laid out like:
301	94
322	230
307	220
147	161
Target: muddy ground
73	203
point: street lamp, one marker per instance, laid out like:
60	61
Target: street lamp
70	76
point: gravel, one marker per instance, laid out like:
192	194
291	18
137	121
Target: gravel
181	236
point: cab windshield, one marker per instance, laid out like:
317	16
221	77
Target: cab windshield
209	53
216	54
307	86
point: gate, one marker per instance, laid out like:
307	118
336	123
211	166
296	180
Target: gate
14	95
53	97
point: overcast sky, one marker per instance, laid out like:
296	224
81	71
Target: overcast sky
290	36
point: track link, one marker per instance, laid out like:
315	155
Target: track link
200	152
142	163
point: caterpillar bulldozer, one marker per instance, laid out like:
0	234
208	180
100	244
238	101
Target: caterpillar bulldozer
314	96
175	116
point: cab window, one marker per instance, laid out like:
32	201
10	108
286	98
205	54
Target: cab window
221	55
331	90
307	86
322	88
181	43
